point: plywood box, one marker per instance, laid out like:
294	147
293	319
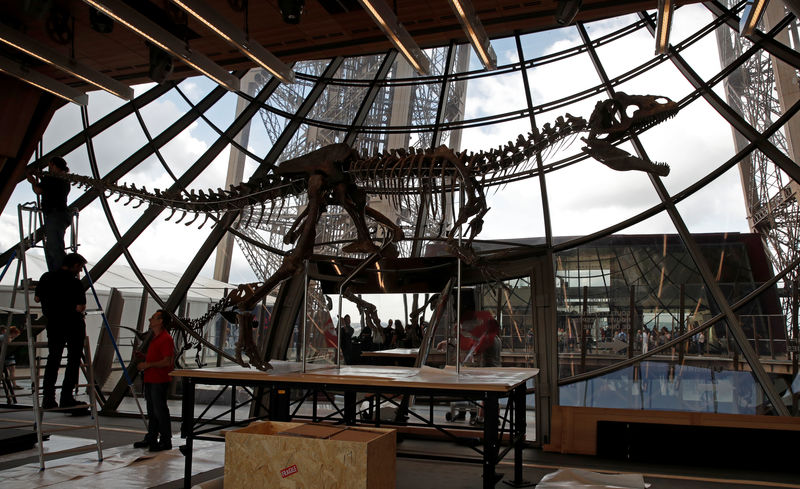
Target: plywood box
271	454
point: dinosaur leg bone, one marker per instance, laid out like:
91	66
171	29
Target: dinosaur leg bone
389	251
354	201
382	219
370	313
291	236
476	201
292	264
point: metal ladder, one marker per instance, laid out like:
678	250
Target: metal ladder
29	218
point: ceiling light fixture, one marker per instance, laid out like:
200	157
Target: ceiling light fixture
161	64
291	10
397	34
42	82
566	10
44	53
663	24
100	22
750	16
475	32
235	37
147	29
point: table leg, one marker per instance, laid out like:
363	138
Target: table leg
519	431
314	407
233	404
377	417
349	407
491	414
279	403
518	434
187	429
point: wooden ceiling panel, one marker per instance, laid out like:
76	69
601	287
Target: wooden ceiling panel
124	56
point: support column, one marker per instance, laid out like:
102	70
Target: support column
401	105
546	345
786	85
236	160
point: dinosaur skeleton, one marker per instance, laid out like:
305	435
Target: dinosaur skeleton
370	314
337	175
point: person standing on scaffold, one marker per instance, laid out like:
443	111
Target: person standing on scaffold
64	305
53	191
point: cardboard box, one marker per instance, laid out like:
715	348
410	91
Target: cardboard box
270	454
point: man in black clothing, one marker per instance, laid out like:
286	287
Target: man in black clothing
54	191
63	303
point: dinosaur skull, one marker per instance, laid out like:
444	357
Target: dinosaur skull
613	117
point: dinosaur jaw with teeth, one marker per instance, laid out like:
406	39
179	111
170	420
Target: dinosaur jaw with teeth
620	160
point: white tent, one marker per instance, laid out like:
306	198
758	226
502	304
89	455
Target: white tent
203	293
122	278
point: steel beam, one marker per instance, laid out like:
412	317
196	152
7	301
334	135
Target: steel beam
543	299
448	69
369	98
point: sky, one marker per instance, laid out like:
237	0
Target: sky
584	197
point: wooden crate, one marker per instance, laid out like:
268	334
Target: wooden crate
271	454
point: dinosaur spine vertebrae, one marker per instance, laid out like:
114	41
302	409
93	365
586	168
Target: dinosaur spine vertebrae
395	172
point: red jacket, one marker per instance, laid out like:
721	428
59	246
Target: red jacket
478	327
160	347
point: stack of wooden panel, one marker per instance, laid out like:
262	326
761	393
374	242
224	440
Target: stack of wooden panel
293	455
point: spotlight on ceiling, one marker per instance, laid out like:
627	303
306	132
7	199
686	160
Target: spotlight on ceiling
100	22
384	16
566	10
59	26
291	10
663	25
54	57
142	26
750	16
160	64
475	32
221	26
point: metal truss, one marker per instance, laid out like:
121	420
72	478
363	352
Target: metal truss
770	194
